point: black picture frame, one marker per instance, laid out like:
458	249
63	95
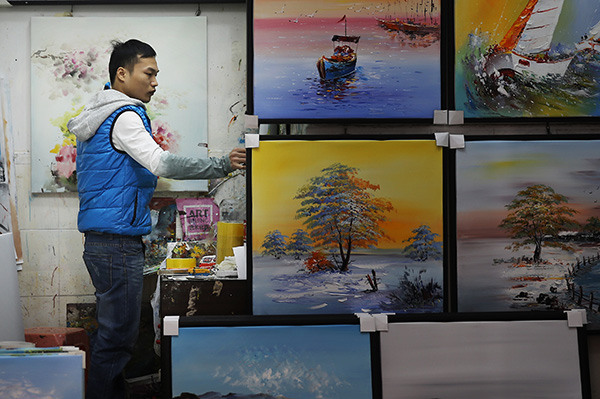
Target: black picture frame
456	281
446	181
445	319
267	322
375	337
445	95
113	2
452	98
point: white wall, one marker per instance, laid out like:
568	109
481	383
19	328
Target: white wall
53	272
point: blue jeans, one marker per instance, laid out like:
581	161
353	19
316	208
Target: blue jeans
115	263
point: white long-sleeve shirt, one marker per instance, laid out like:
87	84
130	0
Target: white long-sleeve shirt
130	135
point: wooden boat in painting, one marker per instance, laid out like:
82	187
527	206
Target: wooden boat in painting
343	60
591	41
408	26
526	45
417	24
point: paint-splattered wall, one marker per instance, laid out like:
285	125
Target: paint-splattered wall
53	272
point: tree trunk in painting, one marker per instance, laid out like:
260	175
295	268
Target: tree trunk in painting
341	213
536	216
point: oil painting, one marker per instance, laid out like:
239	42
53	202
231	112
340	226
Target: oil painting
335	59
69	64
527	58
6	202
346	226
483	359
528	226
8	180
271	362
41	373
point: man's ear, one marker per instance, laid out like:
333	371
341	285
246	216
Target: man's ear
121	74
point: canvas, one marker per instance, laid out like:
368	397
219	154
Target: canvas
389	69
40	376
5	200
272	362
8	180
69	63
528	234
527	58
345	226
484	359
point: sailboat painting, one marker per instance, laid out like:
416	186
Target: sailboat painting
527	58
334	59
591	40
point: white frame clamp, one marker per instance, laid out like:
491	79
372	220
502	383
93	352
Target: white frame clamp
373	322
448	117
453	141
252	140
576	317
171	326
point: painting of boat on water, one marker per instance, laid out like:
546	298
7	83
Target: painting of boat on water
271	362
357	227
528	226
527	58
333	59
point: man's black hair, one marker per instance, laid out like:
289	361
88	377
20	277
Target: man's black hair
126	55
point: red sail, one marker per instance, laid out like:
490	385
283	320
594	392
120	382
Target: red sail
510	40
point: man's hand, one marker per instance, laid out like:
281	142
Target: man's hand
237	158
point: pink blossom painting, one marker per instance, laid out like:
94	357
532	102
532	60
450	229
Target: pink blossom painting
69	64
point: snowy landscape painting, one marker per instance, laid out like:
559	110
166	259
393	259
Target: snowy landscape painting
345	226
271	362
527	58
528	226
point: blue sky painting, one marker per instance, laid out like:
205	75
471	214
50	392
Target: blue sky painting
308	362
41	376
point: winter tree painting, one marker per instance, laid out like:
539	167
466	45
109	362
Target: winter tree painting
527	226
344	226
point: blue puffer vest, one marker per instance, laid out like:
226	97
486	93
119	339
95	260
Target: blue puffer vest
114	190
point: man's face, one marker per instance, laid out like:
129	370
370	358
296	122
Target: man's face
141	82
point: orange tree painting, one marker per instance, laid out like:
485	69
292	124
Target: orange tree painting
527	226
537	216
341	213
341	226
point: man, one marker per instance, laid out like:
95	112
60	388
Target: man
117	167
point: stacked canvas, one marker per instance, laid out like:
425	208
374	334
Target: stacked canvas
41	373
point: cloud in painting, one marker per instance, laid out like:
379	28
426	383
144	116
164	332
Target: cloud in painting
279	371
